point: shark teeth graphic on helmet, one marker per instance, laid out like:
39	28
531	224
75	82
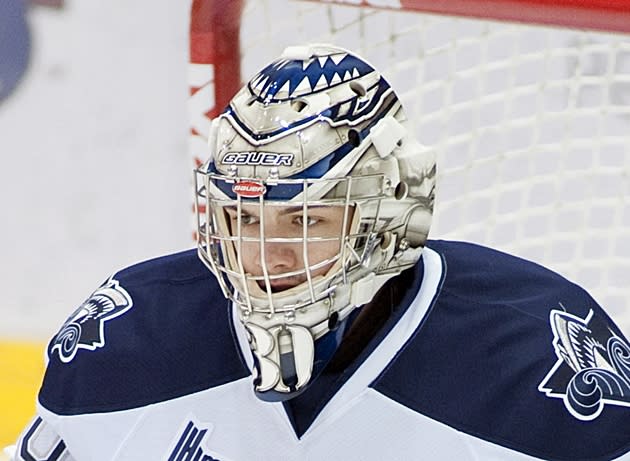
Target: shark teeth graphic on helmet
336	58
292	78
303	87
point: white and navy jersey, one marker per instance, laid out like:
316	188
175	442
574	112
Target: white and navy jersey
488	357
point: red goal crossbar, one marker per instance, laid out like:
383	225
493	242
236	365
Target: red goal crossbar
610	15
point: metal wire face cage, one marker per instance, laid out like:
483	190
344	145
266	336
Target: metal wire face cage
234	236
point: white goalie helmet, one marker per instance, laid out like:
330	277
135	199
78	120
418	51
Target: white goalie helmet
314	196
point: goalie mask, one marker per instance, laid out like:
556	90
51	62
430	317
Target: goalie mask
314	196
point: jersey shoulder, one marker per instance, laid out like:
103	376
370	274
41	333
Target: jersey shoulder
488	276
154	331
515	354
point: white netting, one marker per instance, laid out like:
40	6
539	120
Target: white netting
531	125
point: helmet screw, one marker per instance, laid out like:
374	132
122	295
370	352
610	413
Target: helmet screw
388	188
289	316
232	171
403	245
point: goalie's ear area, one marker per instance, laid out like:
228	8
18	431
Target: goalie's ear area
386	135
15	45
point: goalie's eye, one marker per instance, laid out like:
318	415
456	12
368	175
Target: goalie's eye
311	221
247	219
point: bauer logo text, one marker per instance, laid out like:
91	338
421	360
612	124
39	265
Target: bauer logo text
257	158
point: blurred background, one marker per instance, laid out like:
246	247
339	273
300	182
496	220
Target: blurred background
95	171
531	127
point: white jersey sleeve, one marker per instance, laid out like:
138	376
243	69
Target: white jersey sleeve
40	442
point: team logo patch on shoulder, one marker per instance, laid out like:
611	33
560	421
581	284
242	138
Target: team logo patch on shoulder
85	329
593	367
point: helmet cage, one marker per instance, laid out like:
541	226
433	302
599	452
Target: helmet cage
221	248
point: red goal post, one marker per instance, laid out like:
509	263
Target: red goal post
527	103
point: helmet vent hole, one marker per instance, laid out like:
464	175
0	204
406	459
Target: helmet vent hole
386	239
333	321
299	105
358	89
354	137
402	189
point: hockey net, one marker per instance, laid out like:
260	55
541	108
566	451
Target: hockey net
531	123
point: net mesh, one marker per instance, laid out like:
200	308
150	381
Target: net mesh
531	125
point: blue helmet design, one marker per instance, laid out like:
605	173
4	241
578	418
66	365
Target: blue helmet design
303	85
297	78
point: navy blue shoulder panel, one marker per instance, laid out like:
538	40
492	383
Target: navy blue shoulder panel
488	360
152	332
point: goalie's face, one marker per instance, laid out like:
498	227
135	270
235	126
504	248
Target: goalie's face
283	246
